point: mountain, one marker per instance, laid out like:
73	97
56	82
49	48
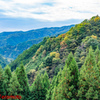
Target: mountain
14	43
13	51
26	55
3	61
51	53
66	67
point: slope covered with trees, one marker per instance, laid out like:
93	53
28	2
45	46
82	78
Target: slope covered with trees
3	61
69	84
12	52
14	43
52	54
26	55
66	67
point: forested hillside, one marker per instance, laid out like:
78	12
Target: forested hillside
70	83
3	61
13	51
66	67
53	52
14	43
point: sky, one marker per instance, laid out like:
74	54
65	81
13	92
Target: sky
17	15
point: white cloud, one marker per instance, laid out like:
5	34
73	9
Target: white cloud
57	10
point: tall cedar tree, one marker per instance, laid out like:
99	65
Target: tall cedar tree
15	88
97	55
67	88
23	81
37	89
2	90
40	87
55	82
89	85
7	77
46	83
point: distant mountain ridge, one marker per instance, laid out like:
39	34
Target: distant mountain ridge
14	43
14	38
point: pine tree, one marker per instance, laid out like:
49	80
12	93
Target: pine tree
98	65
40	87
46	80
54	83
37	89
89	79
23	81
15	88
46	83
67	88
2	90
7	77
97	54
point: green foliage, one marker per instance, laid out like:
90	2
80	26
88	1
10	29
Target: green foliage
44	53
89	78
46	81
39	50
92	42
69	84
39	87
67	87
83	49
80	55
15	88
56	60
23	81
2	90
7	77
71	45
55	54
26	55
97	54
55	82
48	61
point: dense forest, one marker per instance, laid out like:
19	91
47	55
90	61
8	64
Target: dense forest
66	67
70	83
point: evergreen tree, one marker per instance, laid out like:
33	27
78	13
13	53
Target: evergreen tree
23	81
98	65
37	89
2	90
89	79
54	83
46	80
40	87
97	55
7	77
46	83
67	88
15	88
